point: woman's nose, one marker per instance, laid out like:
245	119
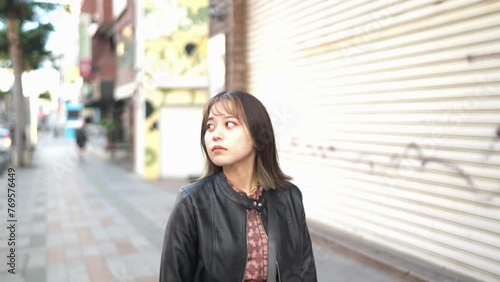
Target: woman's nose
216	134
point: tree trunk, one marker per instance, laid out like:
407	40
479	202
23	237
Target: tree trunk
16	55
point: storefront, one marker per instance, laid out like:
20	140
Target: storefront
172	87
387	115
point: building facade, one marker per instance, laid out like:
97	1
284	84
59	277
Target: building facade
98	69
153	53
172	87
387	116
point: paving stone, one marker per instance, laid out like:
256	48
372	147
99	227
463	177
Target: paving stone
54	239
82	278
57	272
36	274
73	252
91	250
70	237
38	240
37	259
40	217
76	269
12	278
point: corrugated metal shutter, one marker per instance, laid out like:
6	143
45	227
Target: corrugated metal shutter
392	119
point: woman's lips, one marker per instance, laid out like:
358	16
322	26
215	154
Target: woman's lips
218	148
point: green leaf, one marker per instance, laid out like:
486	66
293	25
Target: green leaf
33	40
45	95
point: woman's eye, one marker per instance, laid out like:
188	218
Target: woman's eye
210	126
230	124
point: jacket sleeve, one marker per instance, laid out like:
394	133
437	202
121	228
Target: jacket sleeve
308	264
180	243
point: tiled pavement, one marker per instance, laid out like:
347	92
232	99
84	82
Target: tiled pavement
83	221
92	221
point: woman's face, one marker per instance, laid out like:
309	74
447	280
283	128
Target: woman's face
227	139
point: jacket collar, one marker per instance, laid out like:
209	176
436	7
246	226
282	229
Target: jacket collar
222	184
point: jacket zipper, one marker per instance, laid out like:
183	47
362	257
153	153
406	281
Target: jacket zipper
246	250
265	231
278	269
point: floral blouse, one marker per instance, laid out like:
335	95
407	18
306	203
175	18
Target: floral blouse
256	268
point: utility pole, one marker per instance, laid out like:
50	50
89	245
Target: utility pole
17	63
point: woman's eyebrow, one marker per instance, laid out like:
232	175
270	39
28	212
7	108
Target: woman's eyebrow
225	117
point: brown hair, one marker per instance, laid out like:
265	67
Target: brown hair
251	112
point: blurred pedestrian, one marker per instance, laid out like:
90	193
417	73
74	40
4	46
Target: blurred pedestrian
81	139
243	220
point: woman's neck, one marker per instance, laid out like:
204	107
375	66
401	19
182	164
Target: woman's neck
242	178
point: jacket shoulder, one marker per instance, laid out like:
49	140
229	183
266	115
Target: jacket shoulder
291	194
196	188
290	189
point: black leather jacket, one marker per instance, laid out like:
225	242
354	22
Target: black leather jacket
206	236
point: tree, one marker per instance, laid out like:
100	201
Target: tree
24	36
45	95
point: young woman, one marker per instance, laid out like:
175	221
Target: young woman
243	220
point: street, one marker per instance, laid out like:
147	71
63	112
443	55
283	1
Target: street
91	220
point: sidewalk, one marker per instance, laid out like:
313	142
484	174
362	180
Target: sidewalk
93	221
